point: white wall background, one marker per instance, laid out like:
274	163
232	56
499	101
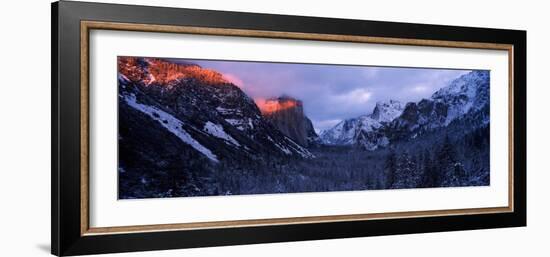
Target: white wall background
25	127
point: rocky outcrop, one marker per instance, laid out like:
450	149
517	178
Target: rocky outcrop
287	114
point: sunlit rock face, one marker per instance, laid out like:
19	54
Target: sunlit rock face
157	71
287	114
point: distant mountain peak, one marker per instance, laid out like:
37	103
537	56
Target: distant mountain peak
386	111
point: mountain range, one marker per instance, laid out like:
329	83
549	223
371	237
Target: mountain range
465	96
215	117
197	107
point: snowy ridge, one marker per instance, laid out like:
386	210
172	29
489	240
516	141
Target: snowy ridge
171	123
469	91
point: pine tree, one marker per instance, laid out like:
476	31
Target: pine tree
430	174
406	173
389	168
450	168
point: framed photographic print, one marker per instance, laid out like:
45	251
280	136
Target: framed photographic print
177	128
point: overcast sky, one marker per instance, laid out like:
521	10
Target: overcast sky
331	93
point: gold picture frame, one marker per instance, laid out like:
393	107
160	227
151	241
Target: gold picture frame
86	26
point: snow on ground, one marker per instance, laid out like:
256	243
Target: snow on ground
171	123
217	131
238	124
226	111
282	148
298	148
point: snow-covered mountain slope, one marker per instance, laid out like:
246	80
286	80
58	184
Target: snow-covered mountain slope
171	123
470	91
341	134
207	113
465	96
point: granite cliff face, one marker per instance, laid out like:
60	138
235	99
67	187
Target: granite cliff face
287	114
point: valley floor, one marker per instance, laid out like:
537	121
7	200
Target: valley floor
335	168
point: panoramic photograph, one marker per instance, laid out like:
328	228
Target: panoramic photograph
189	127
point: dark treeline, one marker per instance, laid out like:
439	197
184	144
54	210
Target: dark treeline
438	159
